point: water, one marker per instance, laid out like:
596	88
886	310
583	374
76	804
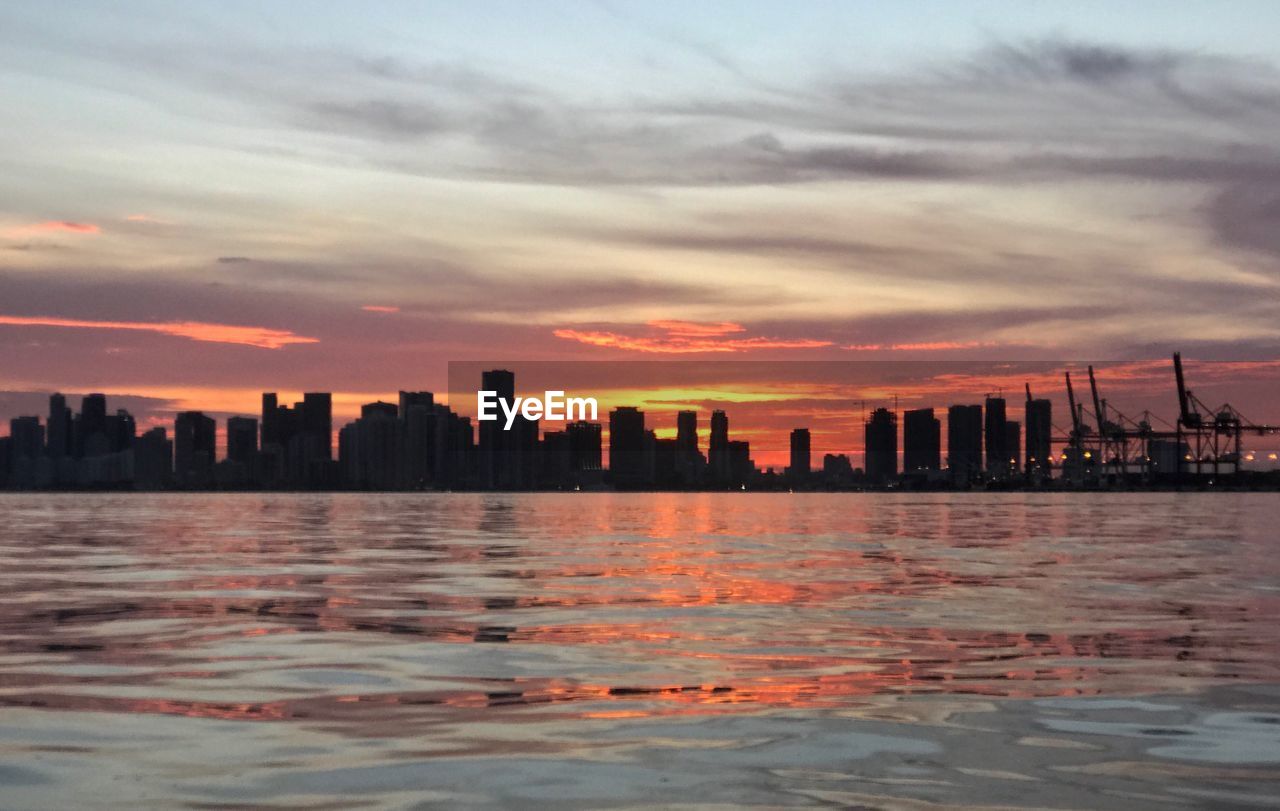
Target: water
640	650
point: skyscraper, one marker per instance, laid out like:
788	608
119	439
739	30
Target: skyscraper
996	439
964	442
497	446
687	432
91	430
800	466
1039	420
417	429
718	447
881	445
627	466
194	448
59	428
1013	447
921	441
242	440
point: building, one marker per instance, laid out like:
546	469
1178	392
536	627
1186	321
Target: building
1013	447
153	460
242	441
1039	451
91	427
881	446
964	442
921	441
497	446
718	448
59	428
627	457
801	461
996	439
417	431
194	449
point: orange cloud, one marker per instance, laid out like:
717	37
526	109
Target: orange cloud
685	337
261	337
380	308
54	226
927	346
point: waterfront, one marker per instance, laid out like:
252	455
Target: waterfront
586	650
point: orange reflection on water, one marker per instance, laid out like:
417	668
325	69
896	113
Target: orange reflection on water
365	611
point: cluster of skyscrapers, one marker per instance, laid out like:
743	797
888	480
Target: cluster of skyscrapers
418	444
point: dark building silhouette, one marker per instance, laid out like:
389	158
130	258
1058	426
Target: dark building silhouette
1039	419
718	448
121	431
627	451
498	465
369	449
801	461
964	442
91	427
996	439
881	444
152	460
417	431
585	446
242	440
741	469
836	468
59	427
921	441
1013	446
194	449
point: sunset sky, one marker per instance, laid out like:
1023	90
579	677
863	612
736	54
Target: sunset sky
199	202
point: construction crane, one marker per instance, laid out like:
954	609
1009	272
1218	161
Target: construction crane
1211	436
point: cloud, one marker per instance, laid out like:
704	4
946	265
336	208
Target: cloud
261	337
233	260
685	337
380	308
53	227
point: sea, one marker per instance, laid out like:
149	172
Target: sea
640	650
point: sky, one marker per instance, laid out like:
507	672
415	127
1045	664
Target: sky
200	202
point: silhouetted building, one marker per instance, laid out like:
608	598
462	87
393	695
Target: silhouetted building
194	448
59	428
800	466
718	448
585	446
152	460
242	440
836	468
498	466
627	463
1039	418
26	451
417	430
1012	446
91	426
881	444
741	468
996	439
921	441
369	448
964	442
121	431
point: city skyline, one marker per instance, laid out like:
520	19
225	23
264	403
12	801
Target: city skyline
417	443
248	198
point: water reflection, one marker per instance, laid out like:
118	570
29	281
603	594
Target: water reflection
354	610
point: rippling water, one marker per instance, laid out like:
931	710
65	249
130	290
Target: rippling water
586	650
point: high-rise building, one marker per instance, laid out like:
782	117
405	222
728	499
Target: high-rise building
91	428
194	448
921	441
1013	447
881	446
800	466
121	431
417	428
996	437
26	437
498	464
627	466
585	446
317	423
152	460
718	447
242	440
687	431
270	419
1039	420
59	428
964	442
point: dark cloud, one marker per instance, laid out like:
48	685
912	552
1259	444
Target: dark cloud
233	260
